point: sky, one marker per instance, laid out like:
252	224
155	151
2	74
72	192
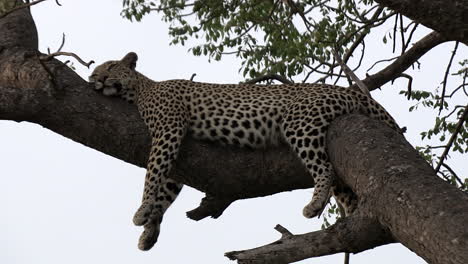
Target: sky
67	203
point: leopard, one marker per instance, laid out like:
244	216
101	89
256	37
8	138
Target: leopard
245	115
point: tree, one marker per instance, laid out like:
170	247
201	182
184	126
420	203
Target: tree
48	92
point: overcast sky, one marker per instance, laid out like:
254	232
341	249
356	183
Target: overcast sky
67	203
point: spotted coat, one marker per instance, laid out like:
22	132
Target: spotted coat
246	115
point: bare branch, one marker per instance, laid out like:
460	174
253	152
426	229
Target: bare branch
173	6
61	45
20	7
269	77
284	232
403	62
410	83
444	82
458	179
410	36
463	118
351	234
351	74
380	61
61	53
447	17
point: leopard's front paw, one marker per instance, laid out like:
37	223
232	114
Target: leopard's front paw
149	237
147	213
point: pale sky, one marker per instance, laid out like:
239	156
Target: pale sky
67	203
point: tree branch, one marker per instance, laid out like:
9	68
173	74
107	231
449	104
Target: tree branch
446	17
352	234
400	189
71	54
7	12
463	118
403	62
267	78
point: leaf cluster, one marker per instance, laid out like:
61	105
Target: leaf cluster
270	36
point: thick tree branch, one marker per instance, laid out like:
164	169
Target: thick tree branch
400	189
352	234
395	69
400	197
448	17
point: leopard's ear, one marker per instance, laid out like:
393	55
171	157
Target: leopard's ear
130	60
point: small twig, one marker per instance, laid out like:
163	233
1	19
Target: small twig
402	35
61	45
20	7
170	7
453	173
410	83
362	55
351	74
312	70
380	61
394	33
444	82
193	76
61	53
410	36
269	77
463	118
51	74
284	232
453	111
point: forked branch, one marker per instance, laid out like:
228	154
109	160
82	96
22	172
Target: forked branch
352	234
59	52
403	62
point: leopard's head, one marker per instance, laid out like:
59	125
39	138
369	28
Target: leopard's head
115	78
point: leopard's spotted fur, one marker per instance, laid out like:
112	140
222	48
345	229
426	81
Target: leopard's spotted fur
246	115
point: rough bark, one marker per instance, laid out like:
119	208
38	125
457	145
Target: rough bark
448	17
398	188
422	212
400	198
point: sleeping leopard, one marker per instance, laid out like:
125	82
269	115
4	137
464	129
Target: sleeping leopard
246	115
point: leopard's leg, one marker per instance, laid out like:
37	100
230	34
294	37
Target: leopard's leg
345	197
304	127
311	151
159	191
165	195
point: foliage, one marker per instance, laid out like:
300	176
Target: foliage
451	128
271	37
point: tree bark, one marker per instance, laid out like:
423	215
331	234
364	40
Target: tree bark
448	17
396	187
400	198
351	234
